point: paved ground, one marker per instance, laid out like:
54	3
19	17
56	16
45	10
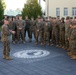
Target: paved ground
56	63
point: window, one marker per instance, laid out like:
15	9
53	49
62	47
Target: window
57	11
65	11
74	11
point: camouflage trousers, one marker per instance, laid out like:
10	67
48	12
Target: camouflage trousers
66	42
13	37
62	39
47	37
73	46
39	34
6	48
55	37
32	32
20	34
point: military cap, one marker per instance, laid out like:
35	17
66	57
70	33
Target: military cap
67	18
39	18
6	19
10	16
49	16
62	18
54	17
71	17
75	17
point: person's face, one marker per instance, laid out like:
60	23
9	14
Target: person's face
54	20
10	19
38	16
13	19
26	17
16	17
39	20
32	19
5	17
20	17
74	19
62	20
46	19
6	22
46	23
50	19
67	20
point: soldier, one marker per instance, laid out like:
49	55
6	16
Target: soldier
71	19
67	28
62	33
5	40
55	28
14	29
46	33
21	29
73	42
17	18
27	27
10	23
11	26
73	23
32	28
39	31
50	23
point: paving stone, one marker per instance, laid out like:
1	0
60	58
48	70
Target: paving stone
57	63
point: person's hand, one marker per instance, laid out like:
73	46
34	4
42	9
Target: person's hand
37	30
10	30
13	32
20	28
68	38
71	26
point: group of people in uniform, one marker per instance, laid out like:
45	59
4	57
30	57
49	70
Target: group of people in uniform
48	30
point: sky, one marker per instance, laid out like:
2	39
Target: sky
14	4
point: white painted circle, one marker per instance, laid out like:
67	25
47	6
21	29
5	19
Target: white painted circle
31	54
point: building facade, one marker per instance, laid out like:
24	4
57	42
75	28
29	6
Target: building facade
60	8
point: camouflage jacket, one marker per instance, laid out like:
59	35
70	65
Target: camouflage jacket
5	33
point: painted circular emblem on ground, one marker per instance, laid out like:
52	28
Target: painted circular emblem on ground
31	54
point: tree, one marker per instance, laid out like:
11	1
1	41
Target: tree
32	8
2	7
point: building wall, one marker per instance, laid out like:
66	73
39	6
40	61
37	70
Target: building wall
51	6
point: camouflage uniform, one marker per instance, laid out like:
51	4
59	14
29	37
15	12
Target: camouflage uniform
67	28
32	29
62	34
46	33
70	32
39	31
55	28
20	32
73	43
14	29
5	40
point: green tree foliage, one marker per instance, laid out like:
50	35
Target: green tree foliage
32	8
2	7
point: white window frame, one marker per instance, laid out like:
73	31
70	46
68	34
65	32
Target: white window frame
74	11
65	11
57	11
